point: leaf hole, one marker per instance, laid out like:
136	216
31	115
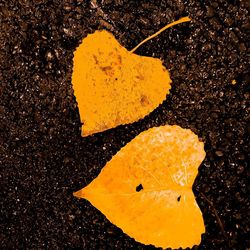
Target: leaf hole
179	198
139	188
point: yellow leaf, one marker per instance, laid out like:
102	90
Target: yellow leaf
234	82
146	188
114	86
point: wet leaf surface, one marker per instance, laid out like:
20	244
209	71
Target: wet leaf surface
165	162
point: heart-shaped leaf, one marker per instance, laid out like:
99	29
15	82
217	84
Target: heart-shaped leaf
114	86
146	188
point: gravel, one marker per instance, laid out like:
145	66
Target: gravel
43	158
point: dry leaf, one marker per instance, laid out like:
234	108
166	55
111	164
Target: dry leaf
234	81
114	86
146	188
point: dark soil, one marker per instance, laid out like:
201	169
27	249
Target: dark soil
42	155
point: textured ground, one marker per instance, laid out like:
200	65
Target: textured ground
43	158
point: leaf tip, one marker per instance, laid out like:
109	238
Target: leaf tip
79	194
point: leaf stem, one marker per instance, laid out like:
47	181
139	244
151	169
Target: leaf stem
182	20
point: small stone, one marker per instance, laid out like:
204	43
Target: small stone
242	47
49	56
219	153
210	11
240	170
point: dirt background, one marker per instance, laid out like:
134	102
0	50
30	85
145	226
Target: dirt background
43	158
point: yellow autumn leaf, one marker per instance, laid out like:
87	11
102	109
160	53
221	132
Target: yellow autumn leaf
114	86
146	188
